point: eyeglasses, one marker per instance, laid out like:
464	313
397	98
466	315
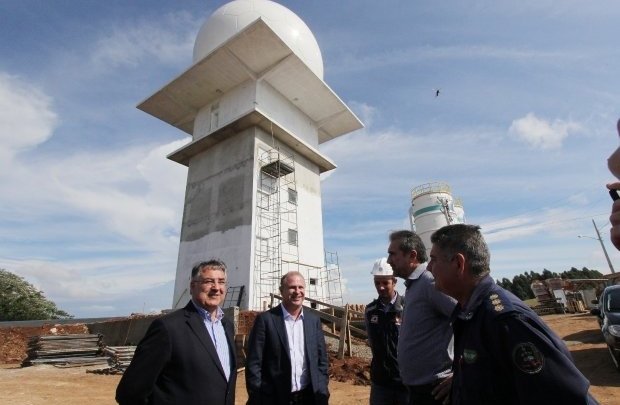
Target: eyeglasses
209	282
614	194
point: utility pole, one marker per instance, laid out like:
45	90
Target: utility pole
598	234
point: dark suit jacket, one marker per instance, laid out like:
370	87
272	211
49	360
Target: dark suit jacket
176	363
268	364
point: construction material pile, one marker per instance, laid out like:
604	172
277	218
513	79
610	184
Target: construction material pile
119	357
67	350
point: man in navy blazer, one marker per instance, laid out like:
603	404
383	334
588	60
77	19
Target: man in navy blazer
287	358
187	356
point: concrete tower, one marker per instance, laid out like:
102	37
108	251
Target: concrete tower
257	108
432	207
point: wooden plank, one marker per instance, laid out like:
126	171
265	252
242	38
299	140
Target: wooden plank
343	332
358	330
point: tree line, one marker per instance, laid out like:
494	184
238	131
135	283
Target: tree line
21	301
520	284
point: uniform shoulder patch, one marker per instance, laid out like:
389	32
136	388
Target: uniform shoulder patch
498	303
527	358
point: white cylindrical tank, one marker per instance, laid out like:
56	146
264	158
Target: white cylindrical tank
459	211
432	207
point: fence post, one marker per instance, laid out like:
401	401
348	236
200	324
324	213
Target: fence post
344	326
349	348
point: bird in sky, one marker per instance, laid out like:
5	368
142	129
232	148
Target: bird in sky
437	91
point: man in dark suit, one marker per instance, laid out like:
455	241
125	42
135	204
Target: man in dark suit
287	358
187	356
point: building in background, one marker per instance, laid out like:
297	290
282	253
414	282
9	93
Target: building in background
433	207
257	108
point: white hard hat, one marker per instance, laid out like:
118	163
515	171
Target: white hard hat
381	268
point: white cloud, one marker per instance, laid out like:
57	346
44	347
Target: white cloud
415	55
140	201
26	116
540	133
169	40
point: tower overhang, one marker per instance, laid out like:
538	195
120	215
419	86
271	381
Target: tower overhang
253	118
256	53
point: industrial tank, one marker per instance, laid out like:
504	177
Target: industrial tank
433	207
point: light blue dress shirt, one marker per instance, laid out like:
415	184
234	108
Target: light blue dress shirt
218	336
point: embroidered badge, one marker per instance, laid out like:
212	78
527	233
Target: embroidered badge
498	308
374	319
493	296
470	356
496	302
528	358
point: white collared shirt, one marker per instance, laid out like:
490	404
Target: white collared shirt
296	344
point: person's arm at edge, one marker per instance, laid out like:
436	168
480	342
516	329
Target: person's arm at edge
323	360
254	360
149	359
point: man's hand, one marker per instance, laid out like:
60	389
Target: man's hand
614	218
442	391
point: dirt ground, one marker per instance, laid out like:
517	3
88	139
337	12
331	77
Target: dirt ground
49	385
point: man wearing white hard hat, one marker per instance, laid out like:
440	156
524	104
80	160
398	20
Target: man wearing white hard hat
383	317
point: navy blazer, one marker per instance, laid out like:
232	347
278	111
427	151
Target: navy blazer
176	363
268	364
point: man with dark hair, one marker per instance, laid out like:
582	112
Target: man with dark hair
287	357
504	353
187	356
425	341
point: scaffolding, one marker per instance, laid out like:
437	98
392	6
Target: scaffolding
330	279
276	248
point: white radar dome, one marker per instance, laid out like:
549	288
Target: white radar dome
232	17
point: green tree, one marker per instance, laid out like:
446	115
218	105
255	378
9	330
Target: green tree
21	301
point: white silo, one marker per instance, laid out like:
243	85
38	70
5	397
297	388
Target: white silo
433	207
459	211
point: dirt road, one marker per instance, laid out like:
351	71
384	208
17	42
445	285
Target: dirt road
47	385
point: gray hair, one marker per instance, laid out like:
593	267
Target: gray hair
408	242
213	264
468	241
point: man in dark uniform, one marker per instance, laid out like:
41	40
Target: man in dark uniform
383	317
503	352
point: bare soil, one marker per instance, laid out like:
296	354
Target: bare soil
49	385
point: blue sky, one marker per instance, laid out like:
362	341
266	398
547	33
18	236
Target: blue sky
90	209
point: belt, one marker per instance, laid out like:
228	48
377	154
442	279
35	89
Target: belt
297	397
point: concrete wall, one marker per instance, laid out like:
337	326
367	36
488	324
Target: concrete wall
230	106
129	331
286	114
217	217
125	332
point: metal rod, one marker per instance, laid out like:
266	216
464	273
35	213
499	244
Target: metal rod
598	234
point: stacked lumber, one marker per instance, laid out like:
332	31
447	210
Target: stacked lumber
119	357
80	349
549	306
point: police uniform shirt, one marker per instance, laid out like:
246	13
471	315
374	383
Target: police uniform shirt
383	326
505	354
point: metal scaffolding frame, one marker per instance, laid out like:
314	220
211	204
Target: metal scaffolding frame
275	251
331	280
